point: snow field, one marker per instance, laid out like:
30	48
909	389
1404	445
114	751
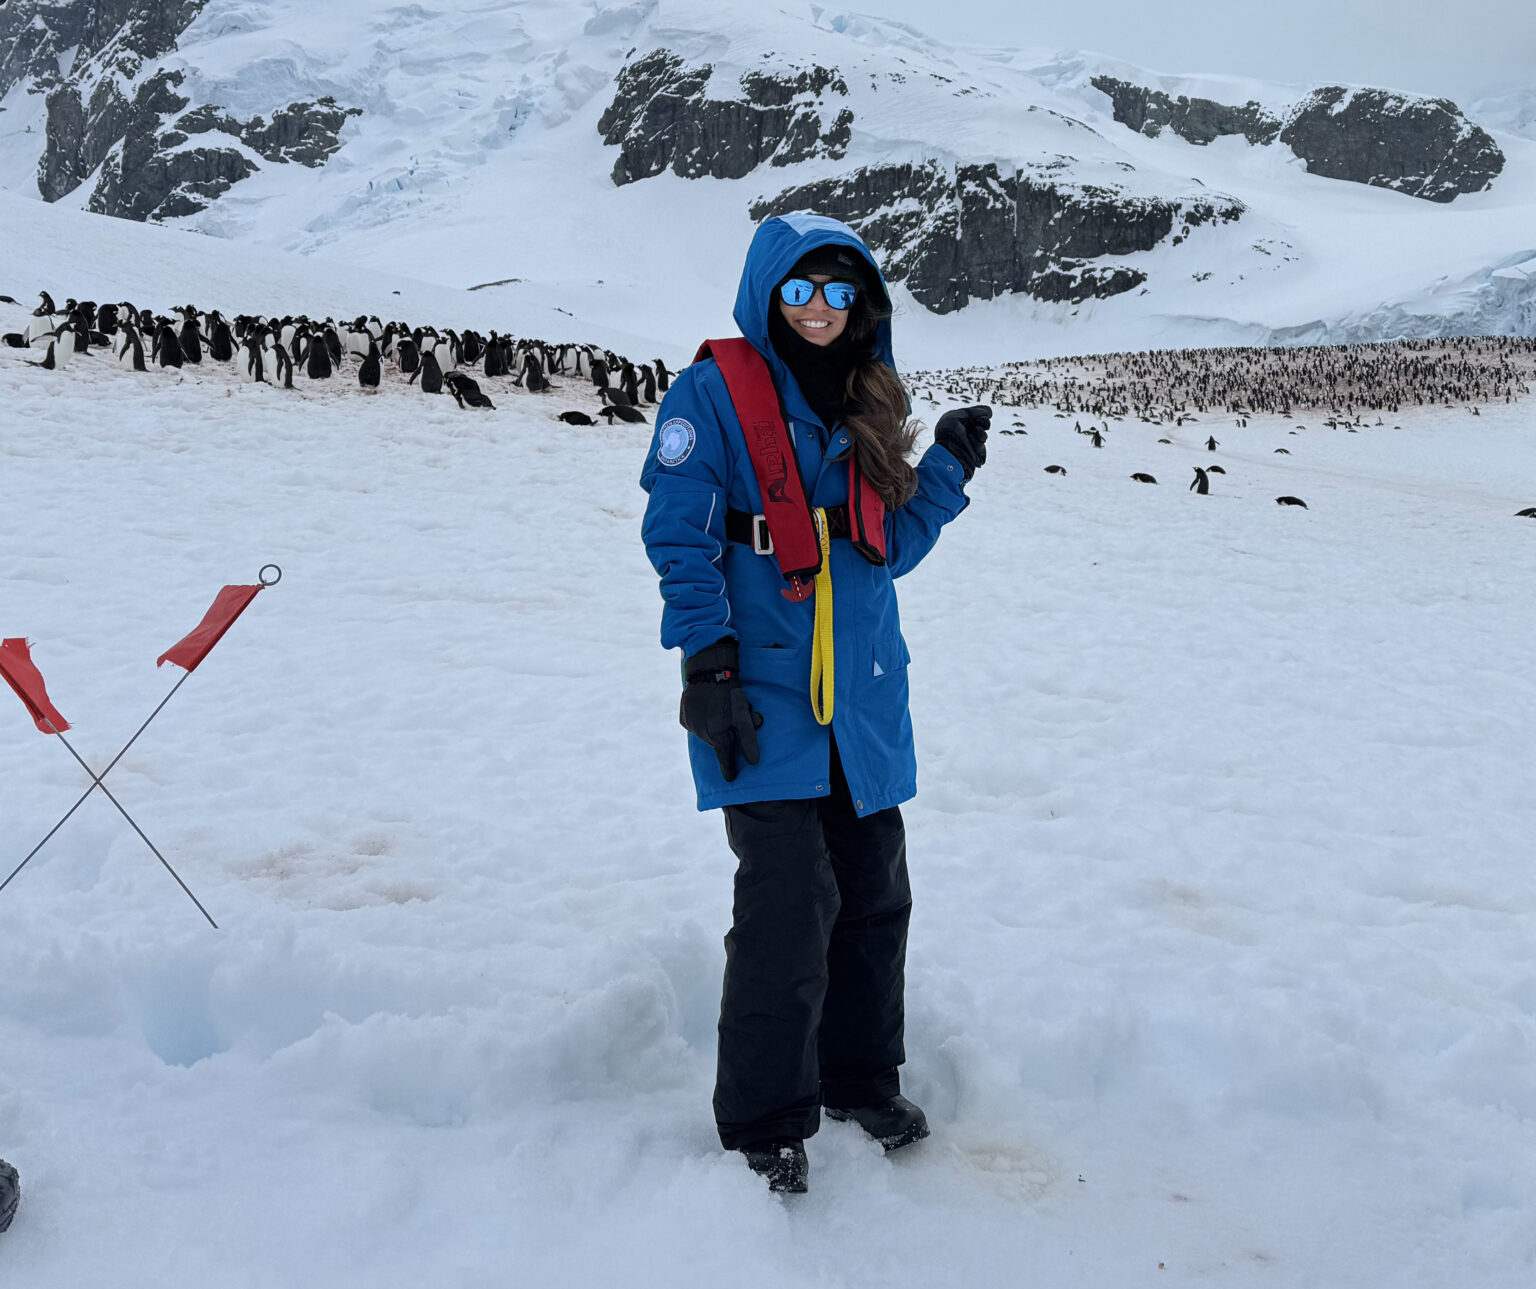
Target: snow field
1221	953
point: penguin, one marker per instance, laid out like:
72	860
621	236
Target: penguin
1290	501
1215	469
632	415
663	376
533	375
251	366
45	307
278	365
576	418
13	340
1096	438
629	383
431	374
130	353
1528	513
1201	485
494	365
1210	444
1285	452
221	344
369	372
317	358
615	397
332	343
1141	477
50	361
1055	469
166	350
599	373
407	354
648	383
466	390
190	341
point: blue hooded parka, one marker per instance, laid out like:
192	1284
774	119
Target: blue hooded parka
697	467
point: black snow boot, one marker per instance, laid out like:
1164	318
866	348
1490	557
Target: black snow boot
782	1161
10	1194
894	1122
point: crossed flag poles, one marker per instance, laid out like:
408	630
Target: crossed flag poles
18	670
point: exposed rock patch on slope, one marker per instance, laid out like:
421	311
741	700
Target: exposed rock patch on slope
155	171
112	109
1423	147
120	35
662	118
1195	120
956	234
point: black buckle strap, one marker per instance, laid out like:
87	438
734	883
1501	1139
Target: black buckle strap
752	530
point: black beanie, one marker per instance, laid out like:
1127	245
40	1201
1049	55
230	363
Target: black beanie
841	263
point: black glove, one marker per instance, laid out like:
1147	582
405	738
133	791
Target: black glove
963	433
715	706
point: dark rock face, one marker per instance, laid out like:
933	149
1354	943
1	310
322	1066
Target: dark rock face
124	34
1196	120
660	119
147	172
151	174
1422	147
969	232
308	133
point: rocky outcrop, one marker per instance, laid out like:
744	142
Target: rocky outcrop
661	118
1423	147
953	234
140	137
1195	120
119	35
149	174
153	173
306	133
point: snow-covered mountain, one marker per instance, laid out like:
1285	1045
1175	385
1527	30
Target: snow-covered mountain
618	155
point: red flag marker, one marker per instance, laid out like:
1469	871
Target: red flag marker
17	668
228	605
22	675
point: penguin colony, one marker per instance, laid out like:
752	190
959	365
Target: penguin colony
1188	386
1156	387
1345	381
277	351
1183	386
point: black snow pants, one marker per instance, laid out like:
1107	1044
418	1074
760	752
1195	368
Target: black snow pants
815	963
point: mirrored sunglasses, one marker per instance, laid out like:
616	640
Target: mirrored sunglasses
799	291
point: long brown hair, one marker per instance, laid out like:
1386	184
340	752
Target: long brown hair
877	412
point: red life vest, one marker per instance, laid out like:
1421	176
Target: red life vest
791	528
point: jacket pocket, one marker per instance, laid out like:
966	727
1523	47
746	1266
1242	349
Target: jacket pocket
890	654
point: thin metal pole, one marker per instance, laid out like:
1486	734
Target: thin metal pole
137	829
96	783
44	841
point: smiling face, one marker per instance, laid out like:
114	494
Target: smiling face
817	321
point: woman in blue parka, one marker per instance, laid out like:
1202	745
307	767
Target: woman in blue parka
809	775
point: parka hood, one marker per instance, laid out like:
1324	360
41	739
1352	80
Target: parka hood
776	246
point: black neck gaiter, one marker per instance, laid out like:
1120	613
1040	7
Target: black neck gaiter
821	371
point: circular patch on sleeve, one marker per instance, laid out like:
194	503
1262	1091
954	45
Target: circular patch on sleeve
676	442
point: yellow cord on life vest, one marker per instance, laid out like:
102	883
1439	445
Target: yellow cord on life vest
823	680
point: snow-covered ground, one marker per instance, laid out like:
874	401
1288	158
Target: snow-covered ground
1223	965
